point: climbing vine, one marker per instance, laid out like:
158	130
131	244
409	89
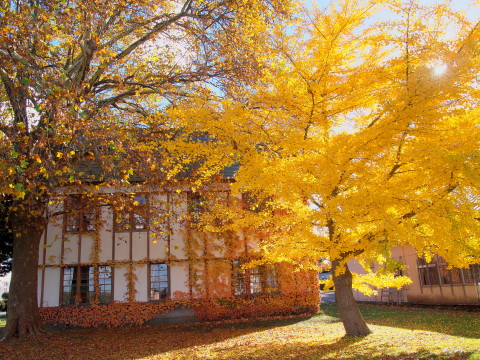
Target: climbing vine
209	251
118	314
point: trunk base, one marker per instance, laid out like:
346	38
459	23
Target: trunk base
350	314
23	317
21	327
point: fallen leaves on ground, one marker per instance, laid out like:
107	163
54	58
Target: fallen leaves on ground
431	334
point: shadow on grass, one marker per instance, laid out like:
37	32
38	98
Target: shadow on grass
248	324
455	323
297	351
345	349
157	343
249	340
419	355
131	343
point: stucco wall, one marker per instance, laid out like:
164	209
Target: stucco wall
119	249
415	292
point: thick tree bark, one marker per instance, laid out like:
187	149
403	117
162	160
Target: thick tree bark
23	316
350	314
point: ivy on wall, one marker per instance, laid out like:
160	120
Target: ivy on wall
138	313
210	293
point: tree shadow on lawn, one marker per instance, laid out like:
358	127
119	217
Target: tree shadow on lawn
220	341
298	350
131	343
452	322
151	344
347	348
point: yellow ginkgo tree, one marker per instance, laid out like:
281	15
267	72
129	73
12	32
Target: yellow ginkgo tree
362	134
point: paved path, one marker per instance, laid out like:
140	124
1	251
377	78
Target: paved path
328	296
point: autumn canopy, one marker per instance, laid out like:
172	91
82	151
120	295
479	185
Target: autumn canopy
79	79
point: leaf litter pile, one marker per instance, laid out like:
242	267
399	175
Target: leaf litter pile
398	333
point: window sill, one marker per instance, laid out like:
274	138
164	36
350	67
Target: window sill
129	231
75	232
86	305
272	294
159	301
443	285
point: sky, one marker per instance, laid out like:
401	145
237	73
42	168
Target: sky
472	12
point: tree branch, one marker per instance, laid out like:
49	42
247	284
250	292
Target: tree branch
126	51
16	57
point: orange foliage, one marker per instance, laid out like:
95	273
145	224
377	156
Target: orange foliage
110	315
137	313
265	305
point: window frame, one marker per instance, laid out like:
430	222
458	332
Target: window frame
92	281
151	281
254	281
199	204
253	204
79	209
130	215
196	206
438	274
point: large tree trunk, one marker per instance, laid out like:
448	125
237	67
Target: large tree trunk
23	316
350	314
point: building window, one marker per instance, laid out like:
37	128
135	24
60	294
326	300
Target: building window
239	279
80	214
104	284
472	274
436	272
158	282
81	284
196	206
428	272
261	279
199	205
255	204
134	216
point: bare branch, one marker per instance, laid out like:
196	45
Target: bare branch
125	52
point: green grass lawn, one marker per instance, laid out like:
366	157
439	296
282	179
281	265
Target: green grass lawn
398	333
451	322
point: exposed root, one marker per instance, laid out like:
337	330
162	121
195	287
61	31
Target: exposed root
22	328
